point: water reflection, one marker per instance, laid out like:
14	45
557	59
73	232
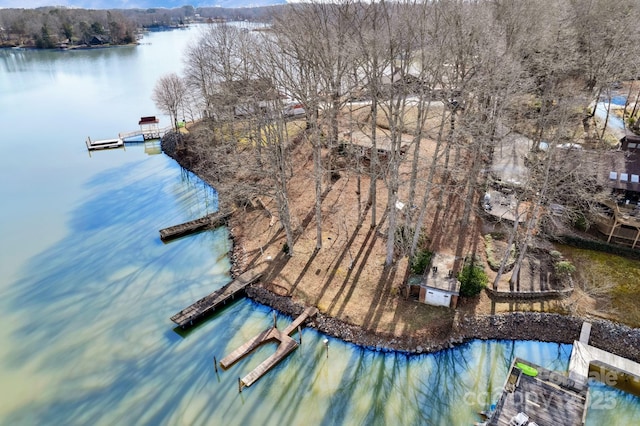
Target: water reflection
90	311
20	60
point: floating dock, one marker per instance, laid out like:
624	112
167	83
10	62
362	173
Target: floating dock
208	304
206	222
104	144
149	130
285	347
534	394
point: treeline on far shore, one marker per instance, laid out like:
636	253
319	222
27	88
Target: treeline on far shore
61	27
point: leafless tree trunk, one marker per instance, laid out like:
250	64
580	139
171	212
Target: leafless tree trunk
168	95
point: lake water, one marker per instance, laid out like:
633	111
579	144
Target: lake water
87	287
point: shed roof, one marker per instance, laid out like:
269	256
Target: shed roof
439	276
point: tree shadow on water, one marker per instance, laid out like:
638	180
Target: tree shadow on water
90	314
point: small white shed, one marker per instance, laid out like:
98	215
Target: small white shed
437	297
439	286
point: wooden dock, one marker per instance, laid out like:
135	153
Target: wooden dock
147	134
618	372
545	397
285	347
208	304
104	144
206	222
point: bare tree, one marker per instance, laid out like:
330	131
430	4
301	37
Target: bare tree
293	55
168	95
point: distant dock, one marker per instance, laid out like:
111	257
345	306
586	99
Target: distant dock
94	145
285	347
149	130
206	222
208	304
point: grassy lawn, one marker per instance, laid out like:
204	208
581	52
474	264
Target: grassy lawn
614	280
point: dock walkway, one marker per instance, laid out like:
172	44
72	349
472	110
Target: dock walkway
285	347
209	221
208	304
146	133
149	130
613	370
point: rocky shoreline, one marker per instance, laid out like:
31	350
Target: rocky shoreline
615	338
612	337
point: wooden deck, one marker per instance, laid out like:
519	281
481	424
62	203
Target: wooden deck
285	347
550	398
212	220
208	304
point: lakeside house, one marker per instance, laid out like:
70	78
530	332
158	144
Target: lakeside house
615	170
250	96
619	219
508	173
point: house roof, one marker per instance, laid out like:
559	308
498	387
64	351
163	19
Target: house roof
622	168
255	88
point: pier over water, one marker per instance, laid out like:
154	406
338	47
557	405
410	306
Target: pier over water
590	362
286	345
535	395
208	304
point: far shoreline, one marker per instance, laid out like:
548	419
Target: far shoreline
70	48
613	337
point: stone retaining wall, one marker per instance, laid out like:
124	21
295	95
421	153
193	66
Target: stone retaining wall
615	338
528	295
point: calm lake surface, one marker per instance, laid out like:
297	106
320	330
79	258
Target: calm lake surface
87	287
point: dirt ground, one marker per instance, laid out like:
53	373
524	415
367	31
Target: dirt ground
346	278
